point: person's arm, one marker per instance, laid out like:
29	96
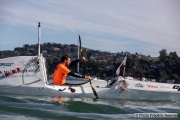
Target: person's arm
76	75
74	62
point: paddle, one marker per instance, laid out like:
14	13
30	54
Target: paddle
94	91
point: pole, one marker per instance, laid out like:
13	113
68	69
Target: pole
39	38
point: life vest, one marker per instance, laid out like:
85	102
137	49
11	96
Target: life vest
60	73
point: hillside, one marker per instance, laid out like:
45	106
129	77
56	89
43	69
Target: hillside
104	64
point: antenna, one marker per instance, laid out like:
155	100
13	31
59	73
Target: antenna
39	37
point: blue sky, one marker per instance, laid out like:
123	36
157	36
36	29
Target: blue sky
143	26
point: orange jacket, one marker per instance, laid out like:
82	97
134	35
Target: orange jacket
60	73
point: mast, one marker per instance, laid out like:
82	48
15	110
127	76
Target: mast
78	58
39	37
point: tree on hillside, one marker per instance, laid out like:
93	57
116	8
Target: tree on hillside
174	56
163	55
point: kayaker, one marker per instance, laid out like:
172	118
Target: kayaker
62	70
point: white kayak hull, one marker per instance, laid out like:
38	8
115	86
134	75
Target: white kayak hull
86	91
31	79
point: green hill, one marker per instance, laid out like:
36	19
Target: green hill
104	64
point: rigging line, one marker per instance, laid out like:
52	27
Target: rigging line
138	67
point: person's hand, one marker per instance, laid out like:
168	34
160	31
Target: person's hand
88	77
83	59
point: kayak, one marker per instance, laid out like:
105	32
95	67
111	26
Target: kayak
27	75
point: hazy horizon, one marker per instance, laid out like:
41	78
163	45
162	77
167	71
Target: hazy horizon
85	47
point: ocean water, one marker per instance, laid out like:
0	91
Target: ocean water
60	108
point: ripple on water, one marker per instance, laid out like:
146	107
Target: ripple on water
37	108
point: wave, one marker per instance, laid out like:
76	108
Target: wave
37	108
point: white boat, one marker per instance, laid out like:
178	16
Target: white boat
26	75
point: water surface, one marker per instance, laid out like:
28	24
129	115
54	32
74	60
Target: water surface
47	108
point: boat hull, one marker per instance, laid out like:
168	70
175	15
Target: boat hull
26	75
103	93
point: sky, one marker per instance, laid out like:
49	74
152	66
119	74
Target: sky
142	26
